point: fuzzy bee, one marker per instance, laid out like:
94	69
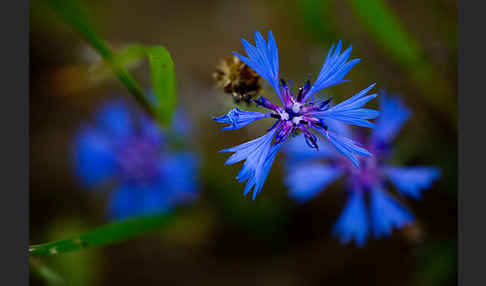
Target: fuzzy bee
238	79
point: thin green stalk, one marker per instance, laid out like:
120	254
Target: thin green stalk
162	66
71	12
107	234
387	29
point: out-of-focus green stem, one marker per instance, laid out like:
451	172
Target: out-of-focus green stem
74	15
108	234
318	18
382	23
162	67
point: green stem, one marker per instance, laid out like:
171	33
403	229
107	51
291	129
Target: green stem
394	38
108	234
74	15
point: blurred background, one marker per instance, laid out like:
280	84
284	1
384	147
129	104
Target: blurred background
407	47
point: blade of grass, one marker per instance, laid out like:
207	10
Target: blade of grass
162	66
73	14
382	23
318	19
107	234
73	80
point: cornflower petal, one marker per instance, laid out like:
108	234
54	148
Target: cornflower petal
333	70
411	181
305	181
239	118
94	157
347	103
151	130
176	183
387	213
350	111
181	168
346	146
262	172
242	151
263	59
131	200
115	118
262	48
259	155
353	222
338	127
297	150
393	115
273	52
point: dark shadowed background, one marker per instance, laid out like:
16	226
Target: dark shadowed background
226	238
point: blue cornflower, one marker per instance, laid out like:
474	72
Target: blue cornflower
125	148
297	113
310	173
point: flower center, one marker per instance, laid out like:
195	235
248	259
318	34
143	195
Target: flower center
284	115
296	107
139	159
293	114
368	173
296	120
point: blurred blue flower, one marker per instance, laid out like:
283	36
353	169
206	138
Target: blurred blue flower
296	113
125	148
310	173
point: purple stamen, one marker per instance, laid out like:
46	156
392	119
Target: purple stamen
275	124
325	103
303	91
283	133
262	101
286	93
310	139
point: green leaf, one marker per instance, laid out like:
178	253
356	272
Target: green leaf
162	77
77	268
107	234
163	83
387	29
162	66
